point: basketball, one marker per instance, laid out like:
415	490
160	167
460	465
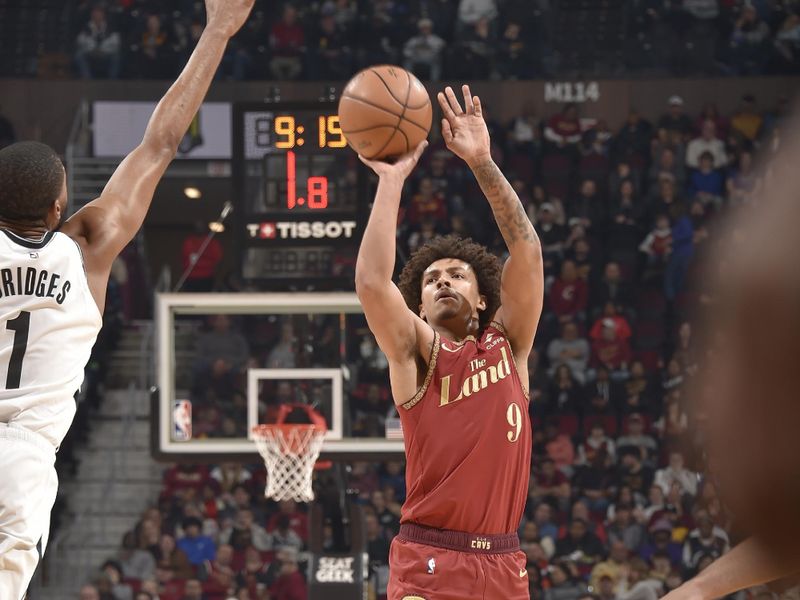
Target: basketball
384	111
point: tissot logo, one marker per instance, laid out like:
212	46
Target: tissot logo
339	570
299	230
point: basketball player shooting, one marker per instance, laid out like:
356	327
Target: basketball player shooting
53	281
457	333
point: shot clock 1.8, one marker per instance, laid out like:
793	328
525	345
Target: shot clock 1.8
299	189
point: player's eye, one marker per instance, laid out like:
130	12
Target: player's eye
458	276
430	280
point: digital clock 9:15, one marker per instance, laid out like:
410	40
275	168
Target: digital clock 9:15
288	136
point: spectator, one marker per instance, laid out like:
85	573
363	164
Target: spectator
741	180
552	486
586	209
611	350
287	42
564	393
201	277
172	560
657	246
245	532
749	42
98	47
284	354
155	53
614	566
633	473
472	11
625	529
477	51
597	447
193	590
545	522
704	540
221	348
635	438
676	472
552	235
711	112
707	142
661	543
675	120
89	592
563	584
570	350
289	585
377	546
198	548
612	289
137	563
569	294
667	164
748	121
580	543
559	447
706	184
428	202
514	60
297	520
640	585
633	138
564	129
423	52
219	573
114	576
332	56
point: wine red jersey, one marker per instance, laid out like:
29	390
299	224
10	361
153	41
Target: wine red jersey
468	439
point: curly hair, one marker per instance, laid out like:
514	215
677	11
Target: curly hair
487	268
31	177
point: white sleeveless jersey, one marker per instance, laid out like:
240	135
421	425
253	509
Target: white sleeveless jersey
48	325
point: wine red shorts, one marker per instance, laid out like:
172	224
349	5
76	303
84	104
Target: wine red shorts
435	564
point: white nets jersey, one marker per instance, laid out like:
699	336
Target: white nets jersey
48	325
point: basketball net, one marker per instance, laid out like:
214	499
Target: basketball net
289	452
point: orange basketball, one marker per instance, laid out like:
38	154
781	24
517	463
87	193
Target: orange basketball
384	111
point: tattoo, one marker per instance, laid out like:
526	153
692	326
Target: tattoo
514	224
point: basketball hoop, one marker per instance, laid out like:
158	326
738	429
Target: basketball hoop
289	452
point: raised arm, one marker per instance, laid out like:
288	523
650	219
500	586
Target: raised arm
106	225
749	564
400	333
522	284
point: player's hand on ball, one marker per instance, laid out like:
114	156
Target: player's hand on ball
227	16
401	168
464	130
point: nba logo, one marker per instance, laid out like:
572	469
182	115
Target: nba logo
182	421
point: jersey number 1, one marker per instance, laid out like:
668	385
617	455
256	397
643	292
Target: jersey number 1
20	327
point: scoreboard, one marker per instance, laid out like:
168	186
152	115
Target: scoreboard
300	197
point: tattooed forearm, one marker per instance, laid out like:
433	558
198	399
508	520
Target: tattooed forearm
508	211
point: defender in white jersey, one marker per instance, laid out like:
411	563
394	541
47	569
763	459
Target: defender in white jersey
53	281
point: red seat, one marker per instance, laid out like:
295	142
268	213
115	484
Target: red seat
650	359
609	423
567	424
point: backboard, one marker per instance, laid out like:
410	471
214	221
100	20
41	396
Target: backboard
226	362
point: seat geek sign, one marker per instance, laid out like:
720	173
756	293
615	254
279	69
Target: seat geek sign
337	577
